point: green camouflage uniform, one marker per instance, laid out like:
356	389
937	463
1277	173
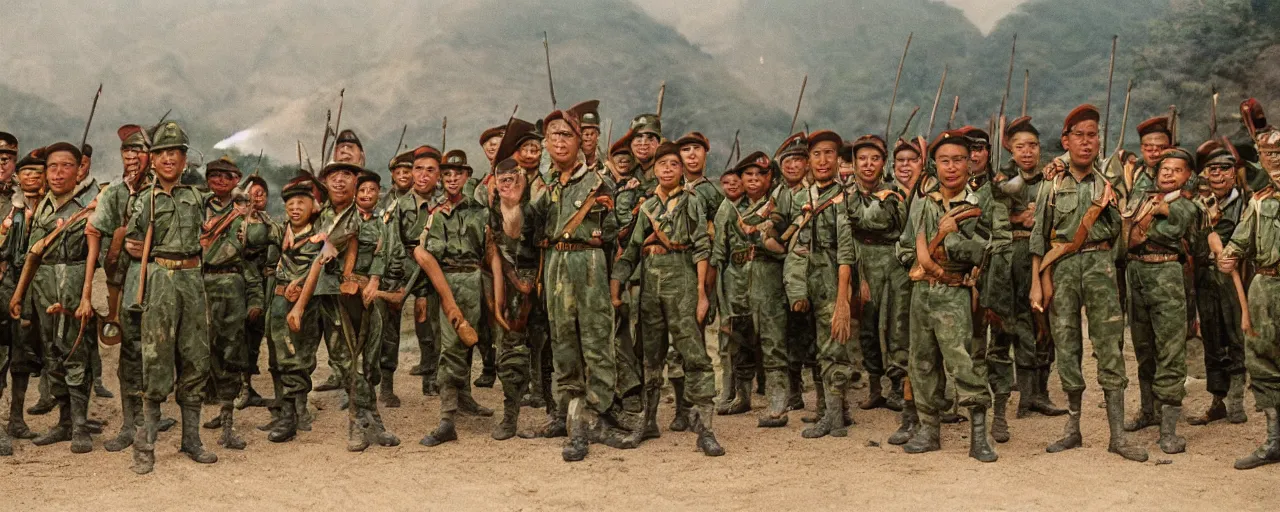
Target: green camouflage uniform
577	289
262	254
411	216
292	355
1257	240
21	353
374	253
456	238
1018	330
877	218
627	199
85	192
340	315
230	286
942	340
710	196
995	294
802	350
1218	305
520	256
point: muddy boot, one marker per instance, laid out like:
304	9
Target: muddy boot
776	415
387	391
418	370
726	385
376	432
999	424
576	447
329	384
357	437
166	424
555	426
80	440
680	422
979	446
1146	415
286	426
1217	410
17	427
1170	442
894	402
907	429
303	414
60	432
741	402
1040	402
875	395
1119	443
344	400
46	403
651	399
1235	400
1028	380
214	423
831	419
6	445
144	444
275	405
468	406
926	438
822	399
701	423
486	379
101	391
230	439
430	387
510	418
1269	451
795	391
449	403
191	444
1071	432
847	403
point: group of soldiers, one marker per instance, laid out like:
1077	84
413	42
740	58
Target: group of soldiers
584	277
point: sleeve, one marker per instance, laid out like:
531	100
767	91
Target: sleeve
700	240
435	243
719	245
394	247
969	245
906	249
846	252
1241	243
630	258
608	220
1039	236
1170	230
109	215
378	267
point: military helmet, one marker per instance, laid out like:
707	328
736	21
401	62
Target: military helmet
169	136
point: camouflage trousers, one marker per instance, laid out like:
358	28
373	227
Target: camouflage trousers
1219	309
628	353
1158	327
331	329
1087	280
228	347
129	369
581	318
883	332
513	346
292	355
21	351
833	357
455	369
66	355
1262	350
345	316
759	335
668	318
175	335
942	344
1020	328
255	330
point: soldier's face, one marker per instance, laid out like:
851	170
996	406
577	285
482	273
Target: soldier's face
1173	174
511	185
299	209
258	197
60	170
490	147
563	143
590	139
1221	176
1154	145
1270	160
822	160
668	170
342	187
169	163
454	180
426	173
694	157
367	195
980	155
870	166
402	178
1081	142
794	168
86	164
643	146
7	165
31	181
529	155
1025	147
622	162
953	166
756	181
731	184
907	165
135	160
222	183
350	153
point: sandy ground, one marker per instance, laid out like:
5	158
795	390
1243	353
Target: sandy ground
764	469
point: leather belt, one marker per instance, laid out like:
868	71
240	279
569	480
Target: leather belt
873	240
572	247
182	264
1019	234
226	269
742	257
1152	258
453	269
1096	246
661	250
954	279
1268	271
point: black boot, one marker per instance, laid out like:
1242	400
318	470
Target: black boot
357	432
776	415
1217	411
999	424
680	422
1071	432
248	396
979	447
377	430
131	410
166	424
60	432
191	443
230	439
486	379
329	384
302	413
80	440
1146	415
1040	402
894	402
651	399
144	444
46	403
1119	443
821	390
285	428
100	390
906	429
1028	380
742	397
1170	442
1269	451
387	391
510	417
1235	400
926	438
832	419
701	423
875	395
469	407
17	425
450	401
576	447
6	445
795	391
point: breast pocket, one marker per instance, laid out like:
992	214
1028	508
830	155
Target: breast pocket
1064	207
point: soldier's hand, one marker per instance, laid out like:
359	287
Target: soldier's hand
499	317
800	306
615	293
84	312
1053	169
704	306
605	201
294	319
454	315
420	310
1036	296
370	292
864	291
327	254
840	321
254	314
15	308
292	291
1225	265
947	225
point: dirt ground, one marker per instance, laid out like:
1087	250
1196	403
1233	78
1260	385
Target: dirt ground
763	469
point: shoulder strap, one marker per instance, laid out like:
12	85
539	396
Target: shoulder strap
581	215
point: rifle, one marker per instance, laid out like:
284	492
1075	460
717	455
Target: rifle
324	141
662	93
444	133
1058	252
1246	321
1110	76
401	142
925	267
797	113
85	137
954	107
1026	85
1008	82
294	317
735	147
1173	124
551	84
337	125
140	305
894	98
1213	115
1124	118
907	126
936	97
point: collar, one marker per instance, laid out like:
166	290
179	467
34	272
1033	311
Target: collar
674	194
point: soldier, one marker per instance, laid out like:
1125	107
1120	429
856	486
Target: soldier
1076	223
731	186
401	169
576	208
57	234
996	298
792	158
817	274
451	257
748	248
341	191
908	163
412	212
1256	238
589	113
262	254
87	188
20	352
230	287
945	247
1161	220
374	272
513	261
490	139
669	247
623	162
877	214
646	134
1217	302
628	194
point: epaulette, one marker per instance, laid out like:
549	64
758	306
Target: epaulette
886	193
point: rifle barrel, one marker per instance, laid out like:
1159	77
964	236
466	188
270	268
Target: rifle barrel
894	98
936	97
1111	71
